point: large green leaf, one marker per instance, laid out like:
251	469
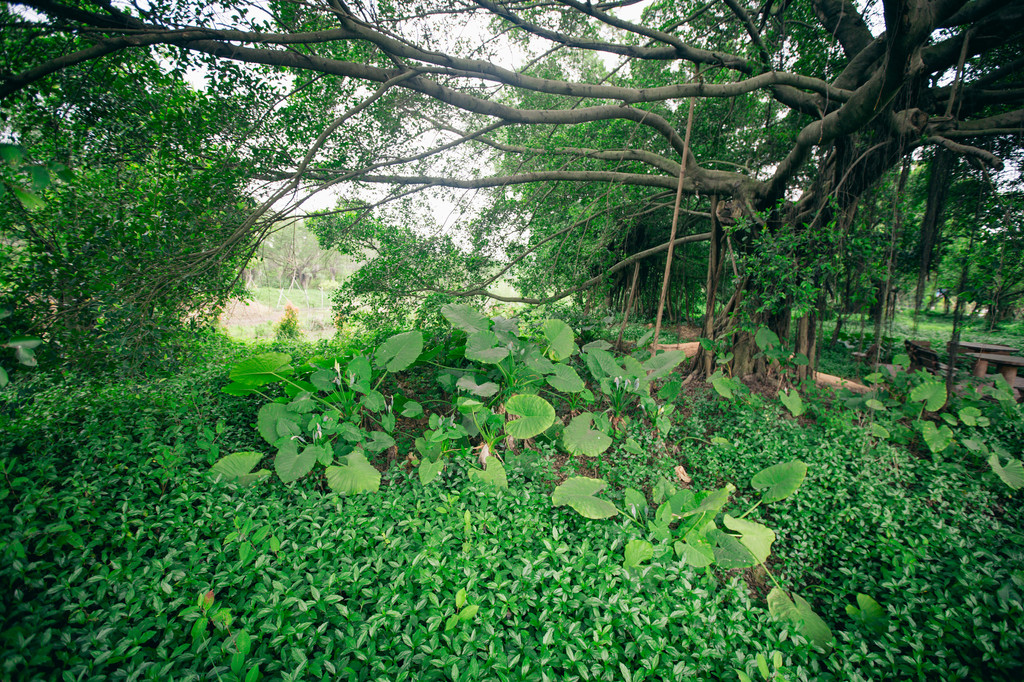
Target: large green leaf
482	347
754	536
1012	474
580	439
870	613
378	442
262	369
661	364
269	418
565	379
779	481
494	474
793	402
484	390
578	492
237	467
400	351
292	464
696	550
636	552
938	439
729	551
465	318
561	341
536	415
3	377
429	470
602	364
713	501
800	614
356	476
26	342
359	372
932	393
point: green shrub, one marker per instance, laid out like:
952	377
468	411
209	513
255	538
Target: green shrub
288	328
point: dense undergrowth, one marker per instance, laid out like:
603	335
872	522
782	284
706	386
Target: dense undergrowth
123	559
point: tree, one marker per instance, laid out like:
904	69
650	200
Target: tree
828	96
99	258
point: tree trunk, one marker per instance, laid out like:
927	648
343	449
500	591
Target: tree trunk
931	224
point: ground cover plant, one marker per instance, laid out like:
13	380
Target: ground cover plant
840	554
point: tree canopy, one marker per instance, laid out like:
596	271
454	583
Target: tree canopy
573	115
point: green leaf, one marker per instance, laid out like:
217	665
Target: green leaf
565	379
4	380
696	550
779	481
482	347
638	551
1012	474
765	338
40	177
729	551
26	342
723	387
243	642
412	409
661	364
468	613
600	344
494	474
793	402
536	415
269	418
237	467
357	476
429	470
460	599
379	442
879	431
561	341
602	364
938	439
801	616
636	503
580	439
932	393
238	389
291	464
465	318
578	492
970	415
713	501
874	404
262	369
484	390
12	154
28	199
358	371
870	613
755	537
399	351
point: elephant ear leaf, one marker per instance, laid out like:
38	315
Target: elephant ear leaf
779	481
238	468
400	351
1012	474
799	613
356	476
579	493
494	474
262	369
535	416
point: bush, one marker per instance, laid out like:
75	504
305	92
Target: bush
288	328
